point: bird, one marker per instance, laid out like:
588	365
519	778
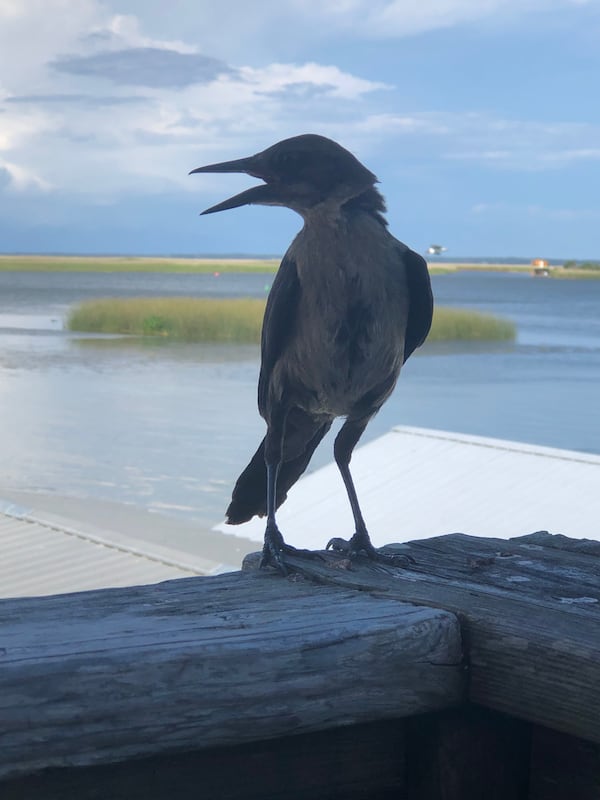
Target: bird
348	305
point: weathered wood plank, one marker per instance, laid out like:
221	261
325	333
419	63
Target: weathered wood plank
352	763
563	767
468	753
123	673
529	610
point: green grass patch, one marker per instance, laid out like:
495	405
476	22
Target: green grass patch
452	268
456	324
240	320
184	318
575	273
135	264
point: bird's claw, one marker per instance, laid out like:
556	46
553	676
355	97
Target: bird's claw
338	545
394	559
356	546
272	555
273	549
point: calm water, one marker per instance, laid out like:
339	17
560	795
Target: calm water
168	427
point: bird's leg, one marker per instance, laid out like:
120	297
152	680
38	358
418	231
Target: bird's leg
345	442
274	545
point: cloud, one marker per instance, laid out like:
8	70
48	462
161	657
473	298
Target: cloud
490	141
145	66
150	141
314	79
422	122
169	107
85	99
310	20
525	145
401	18
15	177
537	212
125	29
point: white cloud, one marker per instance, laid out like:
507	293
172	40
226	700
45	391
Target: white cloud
536	212
525	145
483	139
127	112
125	29
10	8
280	77
398	18
233	27
386	124
21	179
96	105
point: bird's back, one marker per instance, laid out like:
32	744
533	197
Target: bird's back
349	314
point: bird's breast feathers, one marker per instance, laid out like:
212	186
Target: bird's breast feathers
350	316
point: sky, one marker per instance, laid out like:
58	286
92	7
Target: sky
480	118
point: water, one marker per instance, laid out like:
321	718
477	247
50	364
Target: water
168	426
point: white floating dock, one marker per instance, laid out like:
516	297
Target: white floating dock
414	483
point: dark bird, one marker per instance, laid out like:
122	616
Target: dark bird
348	306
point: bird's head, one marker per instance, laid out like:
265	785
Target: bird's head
300	173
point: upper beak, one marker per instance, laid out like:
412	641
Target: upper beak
263	194
239	165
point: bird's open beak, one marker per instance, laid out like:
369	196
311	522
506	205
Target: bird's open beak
257	195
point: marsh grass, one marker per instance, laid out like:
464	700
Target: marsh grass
575	274
456	324
172	264
184	318
20	263
240	320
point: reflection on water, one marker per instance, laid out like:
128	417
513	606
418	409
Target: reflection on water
169	426
140	346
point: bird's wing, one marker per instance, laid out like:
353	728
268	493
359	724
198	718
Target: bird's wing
420	305
278	323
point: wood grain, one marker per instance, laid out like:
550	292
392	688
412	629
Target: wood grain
529	609
118	674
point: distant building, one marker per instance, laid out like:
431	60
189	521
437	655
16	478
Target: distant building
540	268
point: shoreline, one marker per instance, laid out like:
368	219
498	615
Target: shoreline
207	265
216	265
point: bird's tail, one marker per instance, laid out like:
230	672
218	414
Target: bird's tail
249	496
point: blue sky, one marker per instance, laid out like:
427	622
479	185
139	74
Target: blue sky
481	119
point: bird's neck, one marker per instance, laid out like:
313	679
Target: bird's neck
332	211
370	201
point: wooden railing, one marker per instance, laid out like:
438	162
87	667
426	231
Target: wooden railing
484	649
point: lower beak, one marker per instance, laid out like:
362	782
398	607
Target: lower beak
257	195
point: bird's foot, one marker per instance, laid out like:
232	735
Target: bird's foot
274	548
360	545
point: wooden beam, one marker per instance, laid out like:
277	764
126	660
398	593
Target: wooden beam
118	674
529	610
467	754
358	762
563	767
